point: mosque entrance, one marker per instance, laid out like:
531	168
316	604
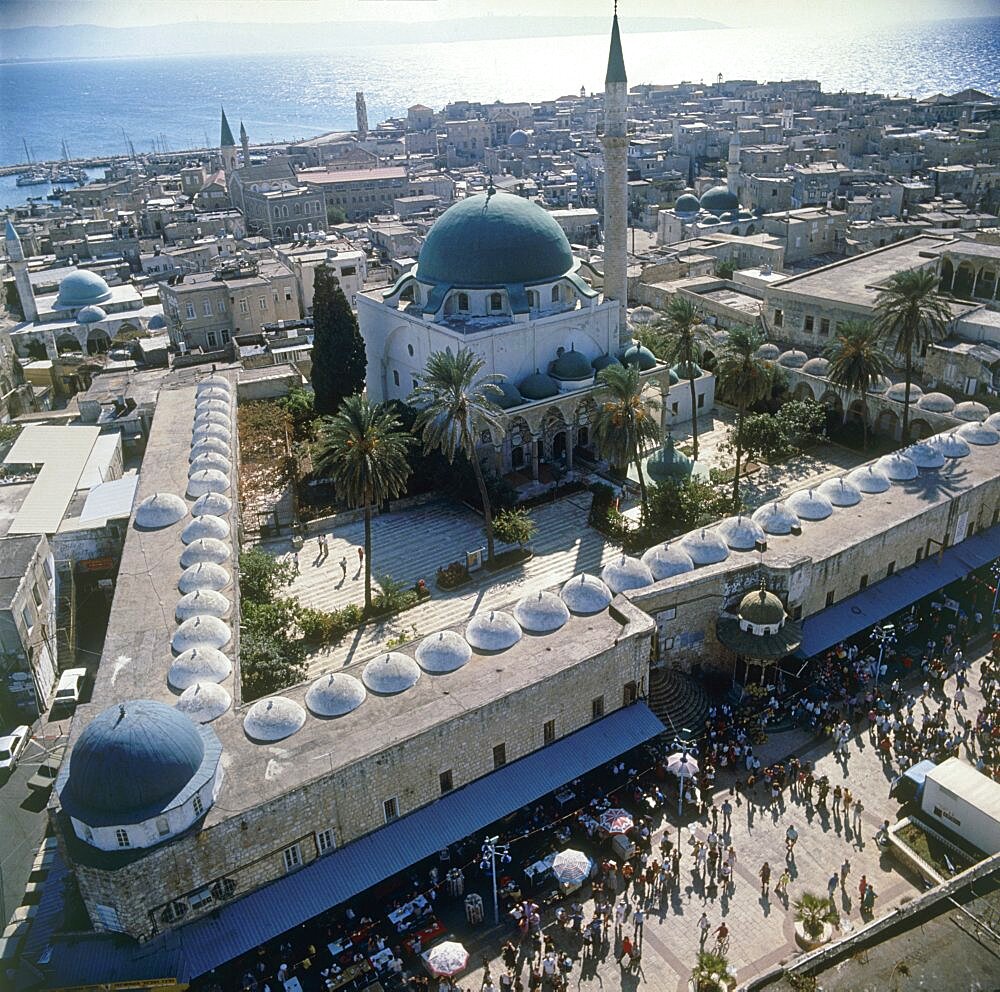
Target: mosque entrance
559	446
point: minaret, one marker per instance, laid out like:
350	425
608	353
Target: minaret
733	165
615	142
245	142
15	255
362	114
227	146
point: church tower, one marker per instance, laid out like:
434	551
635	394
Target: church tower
615	142
227	147
361	111
245	142
733	165
15	255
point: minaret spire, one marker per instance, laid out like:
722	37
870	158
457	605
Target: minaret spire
245	142
15	256
615	142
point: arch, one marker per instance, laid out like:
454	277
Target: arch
555	293
965	276
98	341
887	422
66	343
751	229
708	360
463	302
496	301
947	275
833	401
920	429
986	284
533	299
803	391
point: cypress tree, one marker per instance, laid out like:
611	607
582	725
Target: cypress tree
338	354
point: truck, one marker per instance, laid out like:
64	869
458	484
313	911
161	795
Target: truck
965	801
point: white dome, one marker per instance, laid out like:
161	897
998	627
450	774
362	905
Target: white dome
209	480
273	719
793	359
667	560
809	504
212	418
209	446
840	492
205	549
740	533
775	518
705	547
207	525
642	315
493	631
210	460
213	431
897	467
202	631
869	479
204	575
624	572
950	445
924	455
160	510
390	673
211	504
212	406
994	420
585	594
768	350
214	382
897	391
541	613
204	702
202	601
442	652
970	410
213	393
816	366
199	665
936	403
976	433
335	694
880	385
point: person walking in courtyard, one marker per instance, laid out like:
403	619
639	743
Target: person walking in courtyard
638	919
722	937
845	870
727	816
703	927
781	888
765	878
626	956
858	810
831	886
791	836
343	567
361	557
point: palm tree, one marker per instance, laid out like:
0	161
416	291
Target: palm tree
744	379
625	423
857	362
455	402
910	315
679	336
363	448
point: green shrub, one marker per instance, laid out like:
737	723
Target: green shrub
514	527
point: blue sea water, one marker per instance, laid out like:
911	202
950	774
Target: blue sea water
176	99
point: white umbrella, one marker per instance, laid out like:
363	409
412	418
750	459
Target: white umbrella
571	866
682	764
617	821
447	958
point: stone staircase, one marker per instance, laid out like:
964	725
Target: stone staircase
679	700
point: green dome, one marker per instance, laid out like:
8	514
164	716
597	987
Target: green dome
81	289
668	464
673	378
494	239
603	361
509	395
718	200
571	365
762	607
681	371
539	386
640	354
687	203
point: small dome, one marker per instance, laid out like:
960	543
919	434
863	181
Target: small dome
869	479
668	464
705	547
204	702
202	631
390	673
335	694
206	525
160	510
672	377
687	203
207	549
209	446
199	665
572	366
775	518
762	608
683	371
897	392
157	322
840	492
642	315
91	315
718	200
666	561
539	386
603	361
443	652
897	467
206	393
793	359
541	613
202	601
204	575
204	406
971	411
211	504
950	445
640	354
816	366
211	459
624	572
585	594
994	420
214	382
214	431
709	219
212	418
769	351
936	403
518	138
209	480
508	397
740	533
273	719
81	289
976	433
924	455
493	631
881	385
809	504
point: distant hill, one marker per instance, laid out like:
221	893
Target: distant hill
84	41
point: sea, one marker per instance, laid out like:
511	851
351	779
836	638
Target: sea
172	102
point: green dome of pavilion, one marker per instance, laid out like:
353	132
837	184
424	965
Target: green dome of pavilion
668	464
681	371
640	355
509	395
571	365
603	361
762	607
539	386
687	203
718	200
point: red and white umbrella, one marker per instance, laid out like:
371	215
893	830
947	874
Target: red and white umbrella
617	821
571	866
682	765
445	959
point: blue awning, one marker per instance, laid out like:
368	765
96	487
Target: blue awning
897	592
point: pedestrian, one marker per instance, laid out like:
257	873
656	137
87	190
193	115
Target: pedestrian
343	567
791	836
862	887
295	561
838	794
703	926
727	816
832	885
361	557
722	936
781	888
626	956
858	810
845	870
619	916
765	878
638	919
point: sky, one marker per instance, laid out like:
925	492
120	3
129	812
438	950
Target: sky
736	13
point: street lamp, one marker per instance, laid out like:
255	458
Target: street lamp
492	850
995	570
884	635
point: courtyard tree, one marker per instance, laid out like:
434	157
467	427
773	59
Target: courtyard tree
338	353
857	362
626	422
909	315
514	526
455	402
363	449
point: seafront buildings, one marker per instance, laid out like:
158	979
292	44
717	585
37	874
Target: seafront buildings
196	825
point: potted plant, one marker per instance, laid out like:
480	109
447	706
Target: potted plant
815	918
711	973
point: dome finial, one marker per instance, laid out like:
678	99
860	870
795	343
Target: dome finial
121	714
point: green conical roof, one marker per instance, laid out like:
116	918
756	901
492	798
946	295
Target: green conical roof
616	61
668	464
226	141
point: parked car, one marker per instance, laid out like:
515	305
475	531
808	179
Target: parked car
48	770
11	747
68	688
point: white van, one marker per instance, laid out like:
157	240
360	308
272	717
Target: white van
68	689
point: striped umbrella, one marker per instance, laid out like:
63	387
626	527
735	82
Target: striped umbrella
447	958
571	866
617	821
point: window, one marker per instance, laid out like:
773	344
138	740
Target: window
499	756
349	270
162	826
779	318
292	857
200	898
36	594
324	841
210	337
549	732
463	301
221	306
701	400
122	837
597	708
395	377
863	584
263	303
47	567
446	781
225	337
288	294
29	620
189	310
555	294
674	407
244	306
808	323
414	381
890	568
206	307
199	806
532	299
831	597
630	693
920	555
824	326
496	301
409	350
390	810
